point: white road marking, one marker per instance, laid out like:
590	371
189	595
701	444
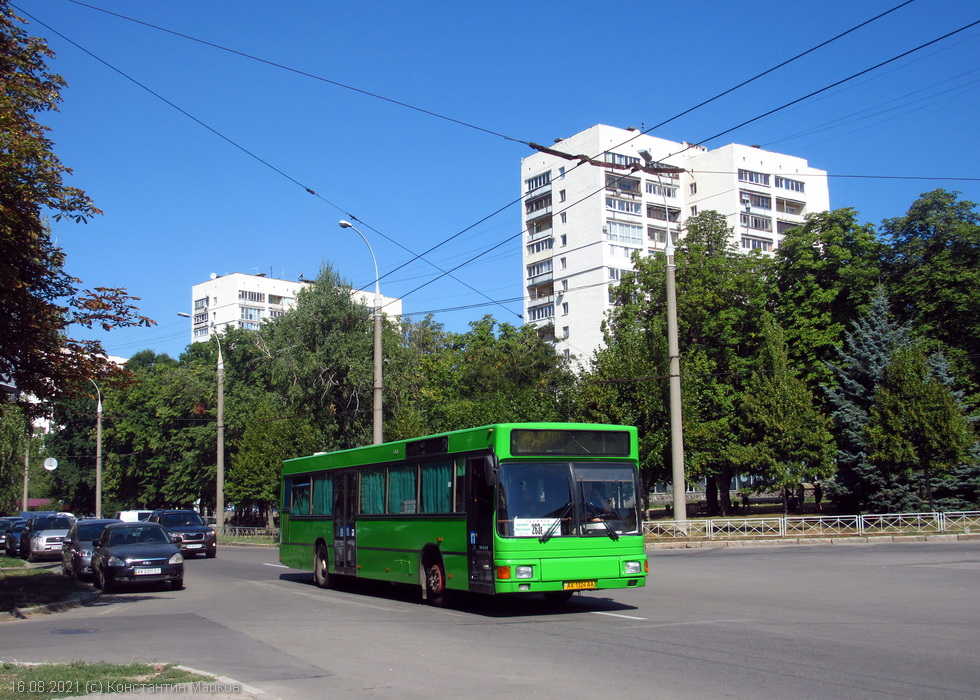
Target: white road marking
628	617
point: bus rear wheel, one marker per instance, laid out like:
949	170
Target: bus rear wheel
321	575
435	585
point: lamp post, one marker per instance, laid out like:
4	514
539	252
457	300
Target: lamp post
98	452
219	490
377	334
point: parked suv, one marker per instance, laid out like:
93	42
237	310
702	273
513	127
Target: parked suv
195	536
43	536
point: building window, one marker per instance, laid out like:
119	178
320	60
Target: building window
561	173
762	244
562	263
753	177
756	201
618	275
619	159
624	233
786	206
564	240
620	251
564	285
248	325
275	299
541	180
788	184
201	318
655	188
201	332
540	246
656	211
275	313
659	235
249	313
246	295
540	268
564	332
694	210
539	226
537	204
541	312
757	223
623	206
629	185
562	217
692	188
561	195
564	309
200	304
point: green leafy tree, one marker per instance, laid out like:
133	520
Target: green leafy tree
785	439
933	267
916	433
39	299
13	441
824	276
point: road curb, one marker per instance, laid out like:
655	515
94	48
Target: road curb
72	601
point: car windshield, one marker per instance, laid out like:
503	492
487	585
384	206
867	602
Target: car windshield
5	525
137	535
90	531
182	518
562	499
52	524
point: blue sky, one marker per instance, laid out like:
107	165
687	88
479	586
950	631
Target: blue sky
183	200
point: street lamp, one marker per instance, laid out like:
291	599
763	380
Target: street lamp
98	452
219	495
377	335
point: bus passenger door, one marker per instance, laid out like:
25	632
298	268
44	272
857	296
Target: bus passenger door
344	525
479	525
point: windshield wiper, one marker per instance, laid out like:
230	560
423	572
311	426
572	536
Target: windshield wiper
598	514
549	533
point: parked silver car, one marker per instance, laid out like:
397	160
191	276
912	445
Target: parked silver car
43	537
76	549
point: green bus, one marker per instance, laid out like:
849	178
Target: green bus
512	508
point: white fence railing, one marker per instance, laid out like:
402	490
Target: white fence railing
964	522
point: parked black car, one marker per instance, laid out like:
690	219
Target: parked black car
5	525
139	552
12	544
195	536
76	549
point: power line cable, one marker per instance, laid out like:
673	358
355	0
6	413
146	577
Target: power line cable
306	74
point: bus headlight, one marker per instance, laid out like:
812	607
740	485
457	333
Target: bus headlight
632	567
523	571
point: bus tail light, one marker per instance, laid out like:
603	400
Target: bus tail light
503	572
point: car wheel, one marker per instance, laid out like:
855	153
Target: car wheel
177	584
108	585
30	556
212	553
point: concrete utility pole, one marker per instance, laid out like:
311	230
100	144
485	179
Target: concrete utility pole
98	452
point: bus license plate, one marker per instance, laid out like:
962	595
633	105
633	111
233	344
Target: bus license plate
140	570
578	585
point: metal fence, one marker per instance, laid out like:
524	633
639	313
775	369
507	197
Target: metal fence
964	522
263	534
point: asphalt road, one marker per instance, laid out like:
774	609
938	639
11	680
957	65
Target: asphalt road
832	621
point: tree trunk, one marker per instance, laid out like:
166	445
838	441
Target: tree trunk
724	490
711	494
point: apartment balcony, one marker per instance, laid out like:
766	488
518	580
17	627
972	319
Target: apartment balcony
543	300
540	279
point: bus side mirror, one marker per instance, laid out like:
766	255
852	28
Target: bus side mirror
491	470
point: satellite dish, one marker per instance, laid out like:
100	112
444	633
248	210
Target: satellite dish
214	275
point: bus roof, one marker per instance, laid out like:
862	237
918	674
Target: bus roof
495	437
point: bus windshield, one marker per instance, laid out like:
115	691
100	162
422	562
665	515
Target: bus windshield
562	499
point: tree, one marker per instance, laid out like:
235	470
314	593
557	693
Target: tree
861	363
825	273
916	433
785	439
933	267
40	300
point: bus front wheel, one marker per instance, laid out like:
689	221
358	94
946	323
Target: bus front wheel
320	565
435	585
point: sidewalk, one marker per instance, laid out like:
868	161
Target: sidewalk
773	542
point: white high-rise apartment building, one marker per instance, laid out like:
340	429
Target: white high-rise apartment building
582	222
245	301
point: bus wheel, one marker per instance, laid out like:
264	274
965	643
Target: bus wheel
435	585
320	563
558	596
